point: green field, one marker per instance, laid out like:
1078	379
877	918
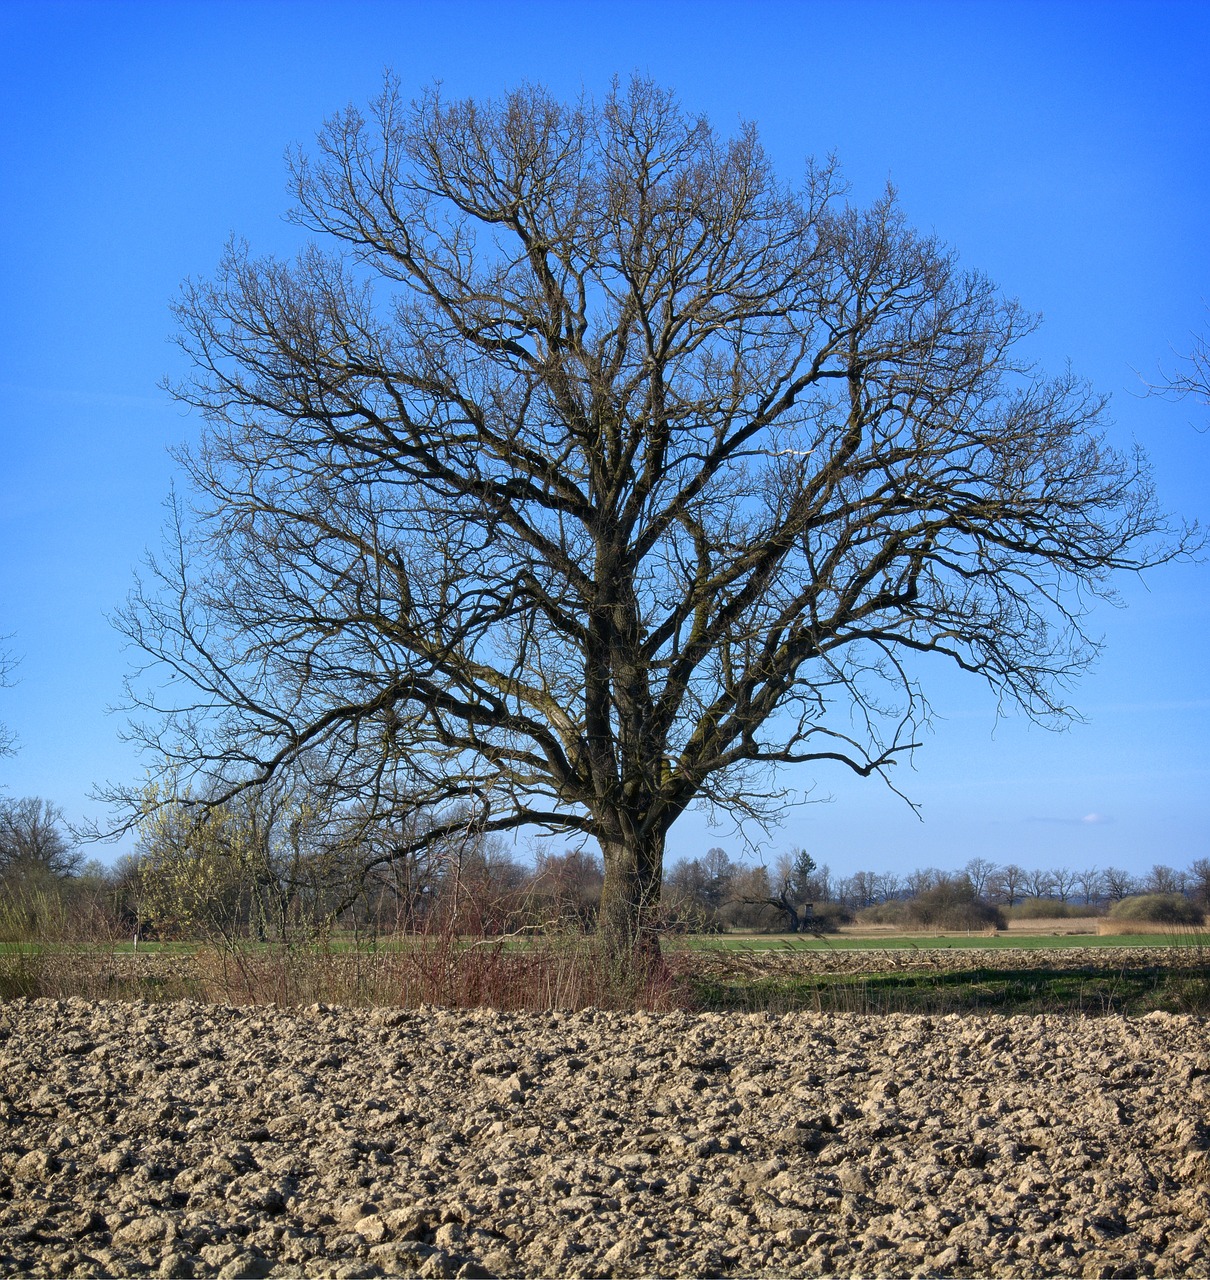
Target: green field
1073	992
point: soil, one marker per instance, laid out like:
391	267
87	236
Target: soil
784	962
183	1139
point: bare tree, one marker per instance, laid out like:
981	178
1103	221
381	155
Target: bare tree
567	886
8	741
1118	884
1091	882
1163	879
1064	881
587	471
860	890
890	886
34	839
1008	883
1199	880
791	892
980	872
1192	376
921	880
1039	882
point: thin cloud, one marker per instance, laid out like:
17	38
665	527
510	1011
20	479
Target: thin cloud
1088	820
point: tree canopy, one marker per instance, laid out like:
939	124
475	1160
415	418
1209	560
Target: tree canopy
580	469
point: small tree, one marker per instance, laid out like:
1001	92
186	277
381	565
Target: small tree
951	903
719	872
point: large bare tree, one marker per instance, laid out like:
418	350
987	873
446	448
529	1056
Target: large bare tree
580	469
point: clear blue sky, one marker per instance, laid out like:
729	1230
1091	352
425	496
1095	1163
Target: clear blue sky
1063	149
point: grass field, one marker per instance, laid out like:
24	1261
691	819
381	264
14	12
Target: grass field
1072	992
715	942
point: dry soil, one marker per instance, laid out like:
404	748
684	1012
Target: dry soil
187	1139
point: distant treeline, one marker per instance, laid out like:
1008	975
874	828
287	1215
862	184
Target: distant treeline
269	867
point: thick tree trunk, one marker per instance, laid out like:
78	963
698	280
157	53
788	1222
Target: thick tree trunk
628	923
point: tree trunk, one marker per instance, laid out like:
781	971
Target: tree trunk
628	924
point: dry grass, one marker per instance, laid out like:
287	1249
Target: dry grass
1112	928
1057	927
430	970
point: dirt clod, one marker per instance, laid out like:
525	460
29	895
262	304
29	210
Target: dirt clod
190	1140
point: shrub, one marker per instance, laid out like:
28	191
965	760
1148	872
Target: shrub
827	917
1158	908
894	913
952	903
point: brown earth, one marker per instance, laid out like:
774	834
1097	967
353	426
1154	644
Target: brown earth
187	1139
788	962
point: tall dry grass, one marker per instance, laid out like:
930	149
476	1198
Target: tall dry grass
566	972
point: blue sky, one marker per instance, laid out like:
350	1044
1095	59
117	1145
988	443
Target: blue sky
1062	149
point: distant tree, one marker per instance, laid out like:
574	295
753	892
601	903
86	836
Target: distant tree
1064	881
1009	884
34	839
1118	884
799	869
1199	881
980	872
1039	882
751	890
483	888
567	886
126	896
1165	880
791	894
860	890
685	899
719	873
267	863
921	880
890	886
582	470
1092	883
819	884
